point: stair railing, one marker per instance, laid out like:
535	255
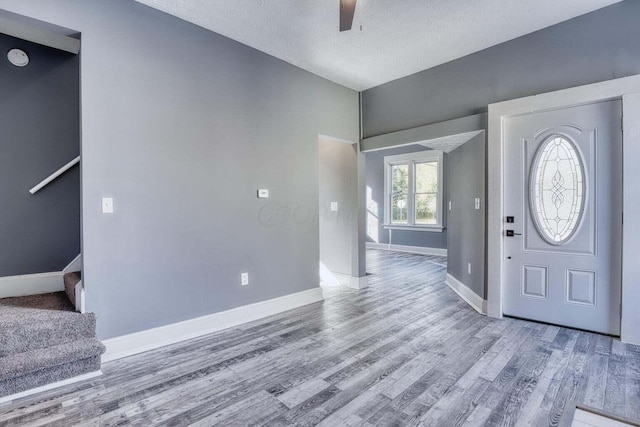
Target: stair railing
54	175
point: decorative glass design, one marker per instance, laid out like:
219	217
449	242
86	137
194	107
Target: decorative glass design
557	190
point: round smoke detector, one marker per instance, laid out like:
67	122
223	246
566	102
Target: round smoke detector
18	57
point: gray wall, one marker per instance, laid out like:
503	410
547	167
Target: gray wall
39	133
466	230
375	181
181	126
599	46
338	183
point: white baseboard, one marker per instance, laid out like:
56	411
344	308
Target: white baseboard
470	297
358	282
351	281
410	249
31	284
48	387
75	265
150	339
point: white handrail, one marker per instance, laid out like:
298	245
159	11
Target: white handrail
54	175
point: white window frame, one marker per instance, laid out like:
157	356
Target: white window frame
411	159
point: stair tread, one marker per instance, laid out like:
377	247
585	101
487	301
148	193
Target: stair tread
24	363
43	340
29	323
48	376
44	334
54	301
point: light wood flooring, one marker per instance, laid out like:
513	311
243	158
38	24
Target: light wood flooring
404	352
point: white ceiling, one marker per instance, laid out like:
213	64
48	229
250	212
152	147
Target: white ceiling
398	38
449	143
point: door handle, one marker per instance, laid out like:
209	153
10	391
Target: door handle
511	233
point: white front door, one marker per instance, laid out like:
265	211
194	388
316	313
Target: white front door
563	204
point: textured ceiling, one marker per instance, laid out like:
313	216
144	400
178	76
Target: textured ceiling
398	38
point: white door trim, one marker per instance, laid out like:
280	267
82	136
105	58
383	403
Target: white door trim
611	89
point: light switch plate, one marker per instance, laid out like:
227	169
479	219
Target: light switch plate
477	203
449	204
244	279
107	205
263	193
334	206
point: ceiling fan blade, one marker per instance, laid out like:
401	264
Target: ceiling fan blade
347	9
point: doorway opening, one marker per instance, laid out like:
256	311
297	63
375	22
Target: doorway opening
428	197
40	166
341	258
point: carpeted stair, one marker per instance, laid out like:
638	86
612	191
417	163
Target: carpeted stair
70	282
44	340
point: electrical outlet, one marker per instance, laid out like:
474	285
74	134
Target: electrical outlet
263	193
469	268
334	206
244	278
477	203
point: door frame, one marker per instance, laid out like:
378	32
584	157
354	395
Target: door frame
627	90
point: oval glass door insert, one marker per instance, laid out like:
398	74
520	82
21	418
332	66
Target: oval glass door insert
557	190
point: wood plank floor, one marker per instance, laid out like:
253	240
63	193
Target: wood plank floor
404	352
